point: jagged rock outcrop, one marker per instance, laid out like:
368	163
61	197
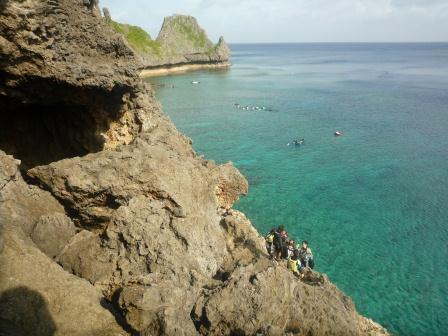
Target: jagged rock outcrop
37	297
106	13
181	41
68	82
184	41
222	51
111	224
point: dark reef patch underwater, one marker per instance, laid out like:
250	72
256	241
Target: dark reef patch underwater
373	203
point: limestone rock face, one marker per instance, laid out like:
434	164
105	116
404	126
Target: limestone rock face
67	81
222	50
153	195
22	205
184	41
106	14
37	297
182	34
52	232
181	41
110	223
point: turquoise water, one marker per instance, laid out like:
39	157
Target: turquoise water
374	202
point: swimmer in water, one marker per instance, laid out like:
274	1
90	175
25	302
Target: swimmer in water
296	142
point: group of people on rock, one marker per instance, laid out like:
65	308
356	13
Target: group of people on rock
280	246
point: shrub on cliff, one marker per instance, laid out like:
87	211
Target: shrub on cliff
137	38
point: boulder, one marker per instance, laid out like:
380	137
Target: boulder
23	205
84	257
267	298
52	232
37	297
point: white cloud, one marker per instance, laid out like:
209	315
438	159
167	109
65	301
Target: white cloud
298	20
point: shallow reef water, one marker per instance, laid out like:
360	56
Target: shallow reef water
373	203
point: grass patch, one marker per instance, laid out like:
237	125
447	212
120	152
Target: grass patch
137	38
198	38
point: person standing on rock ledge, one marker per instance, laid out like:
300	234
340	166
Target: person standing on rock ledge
290	248
270	243
294	264
279	241
306	256
226	211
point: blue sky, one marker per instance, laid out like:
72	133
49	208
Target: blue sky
296	20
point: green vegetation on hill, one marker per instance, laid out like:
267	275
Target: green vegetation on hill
137	38
198	38
180	37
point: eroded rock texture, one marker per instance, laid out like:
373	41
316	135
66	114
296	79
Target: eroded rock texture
180	42
68	84
184	41
110	224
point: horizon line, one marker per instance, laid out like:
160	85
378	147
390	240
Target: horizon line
346	42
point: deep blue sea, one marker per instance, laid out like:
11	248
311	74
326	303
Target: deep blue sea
373	203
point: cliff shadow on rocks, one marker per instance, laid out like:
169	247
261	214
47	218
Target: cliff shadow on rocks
24	312
2	5
113	307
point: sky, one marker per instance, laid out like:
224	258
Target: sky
255	21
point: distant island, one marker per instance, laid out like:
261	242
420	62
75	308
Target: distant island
181	45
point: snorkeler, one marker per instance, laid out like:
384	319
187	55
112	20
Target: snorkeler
296	142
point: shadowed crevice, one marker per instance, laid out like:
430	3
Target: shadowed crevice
53	121
115	310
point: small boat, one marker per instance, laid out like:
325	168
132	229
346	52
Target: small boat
195	82
338	133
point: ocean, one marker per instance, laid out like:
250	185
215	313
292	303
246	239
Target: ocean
372	203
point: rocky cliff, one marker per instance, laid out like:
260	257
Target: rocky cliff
181	41
110	224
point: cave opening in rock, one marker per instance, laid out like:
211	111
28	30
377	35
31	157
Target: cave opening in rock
47	128
39	134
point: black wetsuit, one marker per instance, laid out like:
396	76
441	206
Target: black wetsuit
284	248
278	241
